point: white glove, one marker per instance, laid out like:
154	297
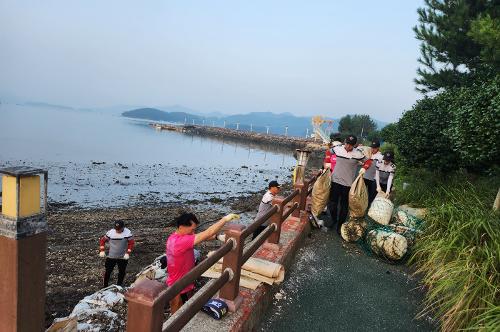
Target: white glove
126	256
230	217
362	171
102	254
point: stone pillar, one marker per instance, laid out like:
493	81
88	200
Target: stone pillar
146	303
23	247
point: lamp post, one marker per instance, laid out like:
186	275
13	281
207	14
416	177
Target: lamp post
302	159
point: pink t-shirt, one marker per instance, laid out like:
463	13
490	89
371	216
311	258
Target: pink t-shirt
180	258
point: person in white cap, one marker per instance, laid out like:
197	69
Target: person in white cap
369	176
385	173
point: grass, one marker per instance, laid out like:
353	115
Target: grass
458	254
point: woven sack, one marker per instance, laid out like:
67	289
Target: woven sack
353	230
320	193
381	210
358	198
387	244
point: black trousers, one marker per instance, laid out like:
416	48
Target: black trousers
371	187
338	193
110	265
384	187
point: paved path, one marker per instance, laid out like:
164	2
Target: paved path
333	286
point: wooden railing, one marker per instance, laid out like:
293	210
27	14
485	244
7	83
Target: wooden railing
148	298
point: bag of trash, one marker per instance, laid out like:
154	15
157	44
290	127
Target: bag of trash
358	198
320	193
353	230
387	244
381	210
404	218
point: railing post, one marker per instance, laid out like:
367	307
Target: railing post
274	238
300	199
146	304
230	292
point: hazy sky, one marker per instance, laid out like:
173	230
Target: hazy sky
304	57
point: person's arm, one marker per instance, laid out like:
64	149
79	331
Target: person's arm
214	229
102	245
365	166
389	183
377	178
130	247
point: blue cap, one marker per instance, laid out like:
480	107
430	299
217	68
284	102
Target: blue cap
215	308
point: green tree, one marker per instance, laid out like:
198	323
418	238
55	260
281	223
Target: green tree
486	32
359	124
345	125
449	54
373	135
363	125
388	133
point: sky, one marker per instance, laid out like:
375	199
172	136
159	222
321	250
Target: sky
327	58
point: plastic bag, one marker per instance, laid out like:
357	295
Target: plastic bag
358	198
320	193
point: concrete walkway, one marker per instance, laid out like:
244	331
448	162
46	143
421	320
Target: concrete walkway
335	286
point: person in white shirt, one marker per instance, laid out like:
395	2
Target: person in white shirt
385	173
369	176
266	204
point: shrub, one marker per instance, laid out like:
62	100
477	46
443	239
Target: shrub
421	138
475	125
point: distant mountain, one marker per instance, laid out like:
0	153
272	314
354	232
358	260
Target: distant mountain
46	105
256	121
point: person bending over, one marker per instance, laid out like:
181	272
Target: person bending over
385	173
180	251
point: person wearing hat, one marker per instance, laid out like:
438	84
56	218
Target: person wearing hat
384	174
266	204
330	157
121	243
369	175
344	173
180	251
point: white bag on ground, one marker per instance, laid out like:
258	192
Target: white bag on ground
321	193
387	244
381	210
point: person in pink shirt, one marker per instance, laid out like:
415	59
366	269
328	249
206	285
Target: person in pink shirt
180	251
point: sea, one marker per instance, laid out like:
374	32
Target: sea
99	158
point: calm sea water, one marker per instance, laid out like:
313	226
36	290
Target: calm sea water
139	162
